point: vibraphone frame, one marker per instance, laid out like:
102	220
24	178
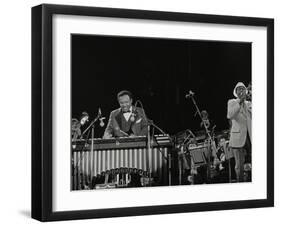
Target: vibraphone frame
95	159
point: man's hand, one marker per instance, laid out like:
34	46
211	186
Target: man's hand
107	136
123	133
242	99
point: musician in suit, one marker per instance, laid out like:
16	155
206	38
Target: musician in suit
240	113
127	120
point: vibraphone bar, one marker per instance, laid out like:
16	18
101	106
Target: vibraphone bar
102	158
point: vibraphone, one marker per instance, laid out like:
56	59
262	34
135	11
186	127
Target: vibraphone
99	158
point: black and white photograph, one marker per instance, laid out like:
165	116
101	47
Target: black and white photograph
141	112
149	112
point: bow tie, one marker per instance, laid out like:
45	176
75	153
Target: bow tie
126	112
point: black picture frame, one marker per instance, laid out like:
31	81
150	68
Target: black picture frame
42	111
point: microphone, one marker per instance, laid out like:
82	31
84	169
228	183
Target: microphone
101	118
190	94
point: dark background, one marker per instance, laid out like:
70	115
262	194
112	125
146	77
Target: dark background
159	72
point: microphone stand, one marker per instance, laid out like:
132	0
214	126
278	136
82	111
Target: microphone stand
207	132
149	124
148	153
169	158
91	124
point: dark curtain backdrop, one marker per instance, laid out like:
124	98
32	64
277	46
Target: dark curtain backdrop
159	72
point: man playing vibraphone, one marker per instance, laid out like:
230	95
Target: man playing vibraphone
127	120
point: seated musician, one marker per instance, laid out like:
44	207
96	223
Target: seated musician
127	120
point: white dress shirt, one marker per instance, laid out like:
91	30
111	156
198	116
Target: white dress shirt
127	115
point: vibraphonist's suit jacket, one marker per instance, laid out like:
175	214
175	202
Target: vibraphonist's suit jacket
118	122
